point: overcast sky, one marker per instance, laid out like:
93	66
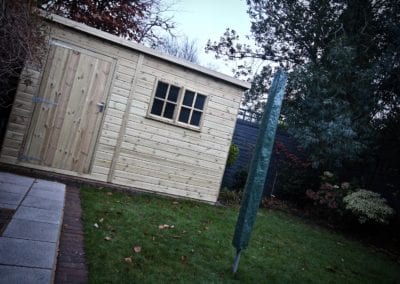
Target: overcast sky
201	20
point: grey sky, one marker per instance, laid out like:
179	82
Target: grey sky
208	19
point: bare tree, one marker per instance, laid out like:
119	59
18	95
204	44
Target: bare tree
22	38
182	48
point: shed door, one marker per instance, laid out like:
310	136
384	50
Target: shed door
68	111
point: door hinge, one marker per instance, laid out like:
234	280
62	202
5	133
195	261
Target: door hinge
37	100
23	157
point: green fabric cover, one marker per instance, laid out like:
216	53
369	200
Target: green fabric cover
260	163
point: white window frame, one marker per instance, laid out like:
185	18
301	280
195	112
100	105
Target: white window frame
178	106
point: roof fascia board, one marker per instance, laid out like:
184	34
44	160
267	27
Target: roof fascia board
141	48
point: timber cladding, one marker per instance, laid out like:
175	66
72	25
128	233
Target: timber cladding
89	112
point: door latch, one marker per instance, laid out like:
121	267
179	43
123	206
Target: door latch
101	106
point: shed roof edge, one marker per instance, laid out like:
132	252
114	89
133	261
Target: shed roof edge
146	50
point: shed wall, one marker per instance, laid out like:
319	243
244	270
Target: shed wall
131	148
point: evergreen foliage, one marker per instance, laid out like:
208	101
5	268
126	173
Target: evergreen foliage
342	102
233	154
368	206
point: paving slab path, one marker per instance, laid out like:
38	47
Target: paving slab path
29	244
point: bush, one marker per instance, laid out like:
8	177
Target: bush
330	194
328	198
240	180
294	175
368	206
230	197
233	155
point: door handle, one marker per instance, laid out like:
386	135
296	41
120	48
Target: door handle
102	106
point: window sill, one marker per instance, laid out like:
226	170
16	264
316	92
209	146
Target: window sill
173	123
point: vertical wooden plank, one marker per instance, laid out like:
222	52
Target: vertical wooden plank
76	155
63	100
63	157
89	126
44	111
125	120
94	118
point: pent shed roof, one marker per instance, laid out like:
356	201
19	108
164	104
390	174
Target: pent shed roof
146	50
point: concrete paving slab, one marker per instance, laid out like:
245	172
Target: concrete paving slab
15	179
49	185
24	275
42	203
39	215
28	246
57	195
29	253
13	188
11	198
32	230
8	206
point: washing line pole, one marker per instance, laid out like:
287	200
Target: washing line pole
259	166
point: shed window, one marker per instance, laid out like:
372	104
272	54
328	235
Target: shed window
192	108
165	100
178	105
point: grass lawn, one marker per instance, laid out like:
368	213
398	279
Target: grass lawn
197	249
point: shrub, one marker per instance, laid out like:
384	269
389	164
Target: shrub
328	198
233	155
294	175
240	179
368	206
330	194
230	197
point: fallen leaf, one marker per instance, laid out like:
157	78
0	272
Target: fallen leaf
95	225
206	228
101	220
128	259
137	249
183	258
107	238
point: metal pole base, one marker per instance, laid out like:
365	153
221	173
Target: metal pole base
236	262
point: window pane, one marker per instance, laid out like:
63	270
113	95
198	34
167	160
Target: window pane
188	99
161	90
196	116
157	107
200	100
169	110
184	115
173	93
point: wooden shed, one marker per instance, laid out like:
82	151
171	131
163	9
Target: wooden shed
110	110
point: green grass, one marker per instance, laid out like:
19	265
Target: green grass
283	249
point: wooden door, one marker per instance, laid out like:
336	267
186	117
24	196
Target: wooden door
69	109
